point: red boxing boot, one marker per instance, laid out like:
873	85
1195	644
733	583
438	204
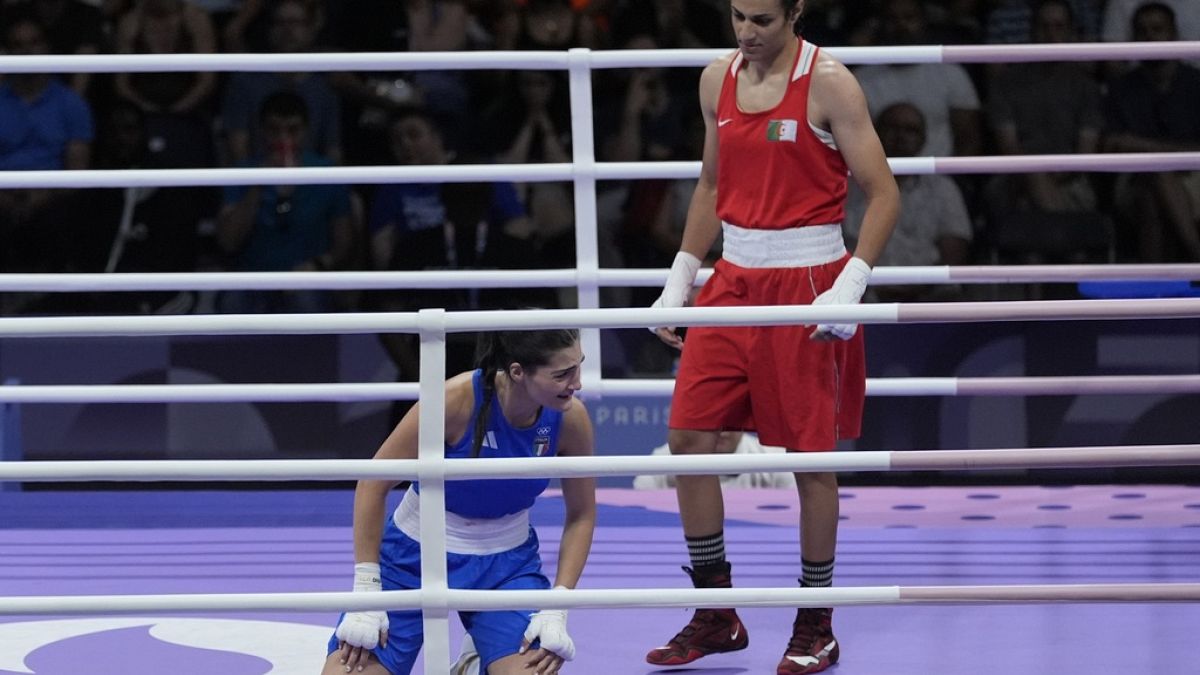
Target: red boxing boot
711	631
812	647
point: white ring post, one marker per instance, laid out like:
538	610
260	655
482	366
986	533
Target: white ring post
11	449
587	249
431	472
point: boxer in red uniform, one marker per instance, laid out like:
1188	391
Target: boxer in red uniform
785	126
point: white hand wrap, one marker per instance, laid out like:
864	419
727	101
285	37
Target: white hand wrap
362	629
549	627
847	289
679	282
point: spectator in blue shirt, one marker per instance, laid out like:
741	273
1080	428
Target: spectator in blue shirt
44	125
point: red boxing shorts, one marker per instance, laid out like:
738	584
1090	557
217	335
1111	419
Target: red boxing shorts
795	392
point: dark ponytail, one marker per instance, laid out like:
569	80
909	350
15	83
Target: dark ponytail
496	351
485	360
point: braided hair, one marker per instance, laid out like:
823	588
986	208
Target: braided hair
497	350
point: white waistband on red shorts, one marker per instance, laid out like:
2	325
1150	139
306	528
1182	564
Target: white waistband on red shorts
476	536
805	246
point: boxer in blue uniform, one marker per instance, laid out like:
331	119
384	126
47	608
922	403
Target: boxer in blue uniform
519	402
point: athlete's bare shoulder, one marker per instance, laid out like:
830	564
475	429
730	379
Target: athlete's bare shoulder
577	436
722	63
712	78
835	90
828	70
717	68
460	399
577	414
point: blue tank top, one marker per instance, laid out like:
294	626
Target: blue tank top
504	496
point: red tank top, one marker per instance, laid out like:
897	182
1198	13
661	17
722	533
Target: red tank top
773	171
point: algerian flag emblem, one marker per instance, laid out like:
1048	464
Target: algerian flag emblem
781	130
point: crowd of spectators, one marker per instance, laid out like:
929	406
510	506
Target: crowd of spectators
204	119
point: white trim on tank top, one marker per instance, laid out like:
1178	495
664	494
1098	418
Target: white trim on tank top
475	536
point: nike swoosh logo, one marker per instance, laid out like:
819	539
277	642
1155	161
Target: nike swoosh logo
737	630
813	660
722	123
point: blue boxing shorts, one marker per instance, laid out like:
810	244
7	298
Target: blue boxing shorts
497	634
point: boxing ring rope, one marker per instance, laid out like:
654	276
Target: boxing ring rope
550	172
391	322
344	392
610	597
637	317
595	59
594	466
559	278
435	598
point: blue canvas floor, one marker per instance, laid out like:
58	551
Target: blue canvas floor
81	543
